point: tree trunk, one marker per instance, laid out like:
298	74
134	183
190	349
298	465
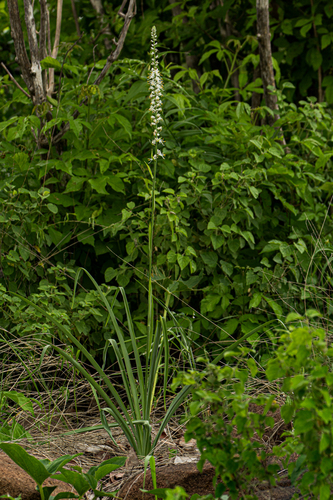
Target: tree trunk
265	51
266	63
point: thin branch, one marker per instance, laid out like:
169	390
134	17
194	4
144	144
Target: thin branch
115	54
14	81
76	19
120	11
58	29
36	70
55	46
20	50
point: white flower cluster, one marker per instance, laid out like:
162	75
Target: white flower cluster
156	88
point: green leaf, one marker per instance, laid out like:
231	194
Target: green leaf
116	183
326	40
314	58
209	258
75	126
287	413
325	441
56	236
227	267
18	398
99	184
50	62
183	261
254	191
138	90
274	370
293	317
304	421
126	125
52	208
28	463
207	54
226	228
109	274
256	299
81	483
324	492
100	471
252	366
75	184
276	307
217	240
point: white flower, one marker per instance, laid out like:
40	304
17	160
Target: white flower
156	87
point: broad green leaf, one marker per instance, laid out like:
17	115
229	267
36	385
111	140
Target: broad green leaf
217	240
80	482
126	125
325	492
28	463
325	441
183	261
138	90
116	183
99	184
50	62
304	421
75	126
227	267
109	274
276	307
75	184
256	299
209	258
52	208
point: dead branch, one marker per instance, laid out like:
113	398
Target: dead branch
76	20
115	54
55	46
14	81
36	70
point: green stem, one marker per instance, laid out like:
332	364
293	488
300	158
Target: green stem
150	251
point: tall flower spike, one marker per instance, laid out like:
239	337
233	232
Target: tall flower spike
156	88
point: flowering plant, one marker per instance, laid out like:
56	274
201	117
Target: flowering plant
140	381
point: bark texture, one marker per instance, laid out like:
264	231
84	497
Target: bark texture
265	51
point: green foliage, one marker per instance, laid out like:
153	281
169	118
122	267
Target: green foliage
41	469
237	214
303	361
231	235
9	428
219	405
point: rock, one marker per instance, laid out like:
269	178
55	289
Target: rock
15	481
185	475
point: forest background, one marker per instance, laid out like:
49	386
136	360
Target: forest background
243	226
